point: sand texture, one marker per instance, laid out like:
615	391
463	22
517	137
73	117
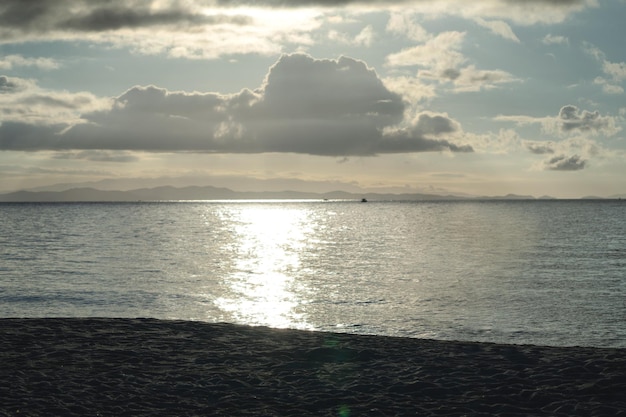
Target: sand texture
146	367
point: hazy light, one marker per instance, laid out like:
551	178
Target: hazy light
275	20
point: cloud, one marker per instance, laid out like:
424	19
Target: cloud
305	105
573	119
440	60
403	24
550	39
63	19
8	62
616	71
338	3
573	153
363	38
498	27
98	156
11	85
23	101
523	12
577	128
193	30
423	134
528	12
565	163
540	148
608	87
472	79
439	53
570	120
412	89
210	29
113	18
34	17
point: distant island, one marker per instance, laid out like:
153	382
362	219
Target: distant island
169	193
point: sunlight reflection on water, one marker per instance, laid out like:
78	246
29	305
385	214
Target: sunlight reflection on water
523	272
268	242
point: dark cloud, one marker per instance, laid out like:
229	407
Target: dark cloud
103	19
11	85
298	86
26	13
571	118
540	148
451	73
320	107
565	163
8	85
40	17
424	135
22	136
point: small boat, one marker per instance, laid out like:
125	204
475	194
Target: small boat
364	200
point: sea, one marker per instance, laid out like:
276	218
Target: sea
543	272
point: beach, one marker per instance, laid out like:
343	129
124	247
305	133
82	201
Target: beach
149	367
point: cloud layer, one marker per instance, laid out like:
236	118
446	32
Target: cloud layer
319	107
134	22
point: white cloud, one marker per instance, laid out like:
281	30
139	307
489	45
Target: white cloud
519	12
616	71
442	61
499	28
363	38
320	107
404	24
366	36
550	39
502	142
607	86
9	62
412	89
22	100
438	53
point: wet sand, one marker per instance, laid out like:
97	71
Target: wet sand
147	367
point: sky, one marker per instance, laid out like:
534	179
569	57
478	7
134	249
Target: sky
478	97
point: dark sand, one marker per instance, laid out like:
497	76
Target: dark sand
135	367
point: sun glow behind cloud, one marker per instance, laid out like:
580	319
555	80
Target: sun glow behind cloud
263	30
279	19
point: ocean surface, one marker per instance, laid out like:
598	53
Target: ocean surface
538	272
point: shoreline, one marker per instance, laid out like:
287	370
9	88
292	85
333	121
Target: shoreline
134	367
